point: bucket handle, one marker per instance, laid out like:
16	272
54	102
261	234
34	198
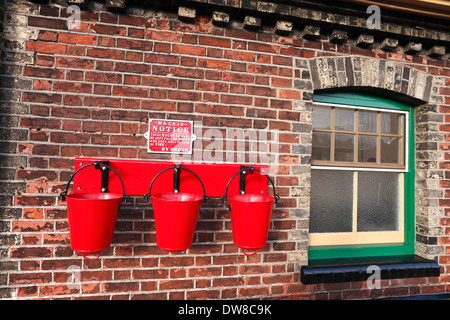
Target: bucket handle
224	198
96	164
176	169
250	254
91	259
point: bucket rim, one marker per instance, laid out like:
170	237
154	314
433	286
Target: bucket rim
266	197
79	196
158	196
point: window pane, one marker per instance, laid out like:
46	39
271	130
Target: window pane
367	148
390	123
378	201
367	121
344	147
331	201
344	119
390	150
321	149
321	118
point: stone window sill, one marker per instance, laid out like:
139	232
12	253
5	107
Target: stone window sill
356	269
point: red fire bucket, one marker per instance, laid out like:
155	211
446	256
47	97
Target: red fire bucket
92	217
176	214
250	216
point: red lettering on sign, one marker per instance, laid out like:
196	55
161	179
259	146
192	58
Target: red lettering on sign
169	136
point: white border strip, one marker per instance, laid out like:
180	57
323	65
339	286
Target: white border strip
361	108
357	169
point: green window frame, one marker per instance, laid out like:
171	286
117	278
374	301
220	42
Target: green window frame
371	250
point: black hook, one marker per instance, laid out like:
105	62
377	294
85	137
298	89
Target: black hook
243	175
176	178
104	167
176	181
98	165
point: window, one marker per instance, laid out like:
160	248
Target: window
361	177
355	137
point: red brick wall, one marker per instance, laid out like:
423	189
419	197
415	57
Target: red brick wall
90	93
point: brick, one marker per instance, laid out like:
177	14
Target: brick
135	56
166	36
62	137
99	152
213	64
263	69
42	97
161	58
188	49
311	32
43	72
280	60
121	263
42	85
106	53
151	274
77	39
252	23
135	44
239	55
48	23
45	35
281	82
47	47
76	50
214	41
43	60
58	289
32	226
72	87
113	78
412	47
132	67
45	150
115	4
107	29
176	284
130	91
160	82
220	18
389	44
31	252
104	127
75	63
253	291
436	51
261	91
364	40
283	27
338	36
203	294
186	14
211	86
30	278
184	95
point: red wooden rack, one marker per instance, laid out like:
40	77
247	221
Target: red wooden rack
137	176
